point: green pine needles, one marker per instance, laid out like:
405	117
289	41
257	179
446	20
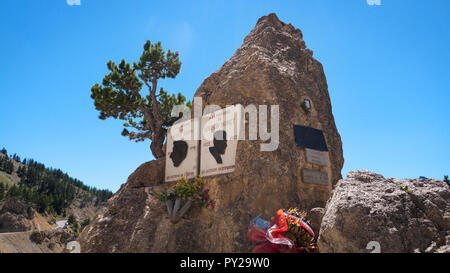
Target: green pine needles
130	93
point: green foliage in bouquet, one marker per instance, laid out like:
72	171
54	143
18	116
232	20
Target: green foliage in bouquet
185	188
188	189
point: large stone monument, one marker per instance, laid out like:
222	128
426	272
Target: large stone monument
272	68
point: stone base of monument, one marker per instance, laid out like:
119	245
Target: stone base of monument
173	208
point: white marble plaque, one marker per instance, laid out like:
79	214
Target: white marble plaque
316	157
315	177
181	152
220	134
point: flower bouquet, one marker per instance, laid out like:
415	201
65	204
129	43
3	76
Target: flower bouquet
289	231
183	195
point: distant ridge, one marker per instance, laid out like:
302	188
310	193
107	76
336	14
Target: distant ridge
44	188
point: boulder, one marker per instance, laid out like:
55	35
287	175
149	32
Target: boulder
148	174
409	215
15	206
16	216
315	216
272	67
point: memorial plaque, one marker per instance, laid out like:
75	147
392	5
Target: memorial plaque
316	157
181	152
220	132
307	137
315	177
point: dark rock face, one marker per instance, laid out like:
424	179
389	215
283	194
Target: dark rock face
272	67
411	215
16	216
15	206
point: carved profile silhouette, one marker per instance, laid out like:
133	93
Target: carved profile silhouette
220	145
179	152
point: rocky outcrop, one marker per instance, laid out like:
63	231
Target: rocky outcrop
148	174
410	215
272	67
83	209
131	219
16	216
49	241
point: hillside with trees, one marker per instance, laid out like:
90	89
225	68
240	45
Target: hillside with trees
44	188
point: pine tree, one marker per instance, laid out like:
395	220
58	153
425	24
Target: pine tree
14	192
21	171
84	223
42	203
9	167
71	220
2	191
120	96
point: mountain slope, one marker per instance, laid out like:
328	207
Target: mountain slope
48	192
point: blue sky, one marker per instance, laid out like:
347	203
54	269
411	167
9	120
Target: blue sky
387	69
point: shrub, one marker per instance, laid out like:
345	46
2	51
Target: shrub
113	211
85	223
186	189
71	220
404	188
37	236
75	227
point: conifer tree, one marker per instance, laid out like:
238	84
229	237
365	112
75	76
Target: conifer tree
130	93
2	191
